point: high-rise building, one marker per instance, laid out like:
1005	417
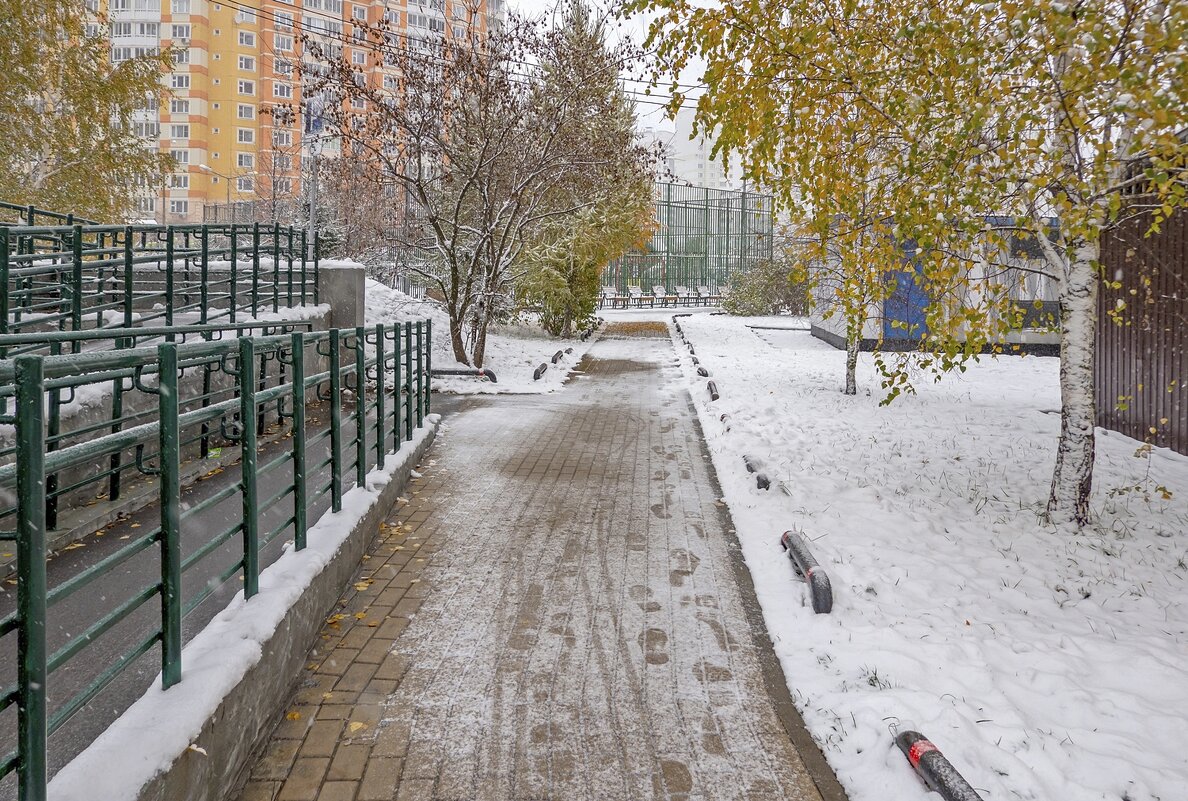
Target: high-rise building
687	158
235	62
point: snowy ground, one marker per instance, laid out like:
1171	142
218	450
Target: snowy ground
1046	664
513	352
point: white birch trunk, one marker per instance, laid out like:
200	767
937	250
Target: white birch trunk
853	341
1072	480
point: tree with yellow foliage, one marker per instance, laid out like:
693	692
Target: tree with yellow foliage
68	141
1063	116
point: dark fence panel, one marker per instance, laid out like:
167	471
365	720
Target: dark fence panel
1141	370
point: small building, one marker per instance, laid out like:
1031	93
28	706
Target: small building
899	322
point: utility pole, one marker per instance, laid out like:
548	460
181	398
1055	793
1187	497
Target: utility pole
313	130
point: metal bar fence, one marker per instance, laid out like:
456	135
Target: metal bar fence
76	277
702	237
182	539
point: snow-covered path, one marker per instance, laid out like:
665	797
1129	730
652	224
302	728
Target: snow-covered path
560	611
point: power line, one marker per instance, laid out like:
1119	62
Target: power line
295	24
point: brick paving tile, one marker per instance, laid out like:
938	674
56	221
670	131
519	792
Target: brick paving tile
557	610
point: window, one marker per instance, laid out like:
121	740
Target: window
282	138
246	112
325	5
179	80
245	15
247	63
283	21
181	56
180	32
118	5
119	54
392	16
282	66
147	130
390	83
243	183
282	186
92	6
245	136
179	181
358	57
247	38
247	87
282	161
179	131
459	32
359	103
180	156
359	12
282	42
245	161
177	106
179	207
145	205
282	90
119	29
181	6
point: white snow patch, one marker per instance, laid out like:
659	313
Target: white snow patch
513	351
1045	663
144	741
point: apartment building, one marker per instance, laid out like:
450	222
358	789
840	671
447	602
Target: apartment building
235	63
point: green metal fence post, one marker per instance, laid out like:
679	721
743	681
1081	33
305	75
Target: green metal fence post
428	366
232	300
380	437
247	420
255	269
53	429
117	413
4	295
408	381
289	262
129	276
204	291
335	423
276	267
304	250
300	490
420	375
360	407
32	672
398	386
169	437
169	278
76	280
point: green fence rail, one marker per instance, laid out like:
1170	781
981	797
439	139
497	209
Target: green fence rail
77	276
702	237
331	406
31	215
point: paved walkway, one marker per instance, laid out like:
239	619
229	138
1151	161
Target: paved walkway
558	612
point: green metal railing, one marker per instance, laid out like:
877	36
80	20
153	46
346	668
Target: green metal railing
77	276
31	215
335	404
702	237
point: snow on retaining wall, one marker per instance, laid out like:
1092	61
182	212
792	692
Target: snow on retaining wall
246	657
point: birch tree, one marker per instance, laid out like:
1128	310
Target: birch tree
1061	115
472	148
68	142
